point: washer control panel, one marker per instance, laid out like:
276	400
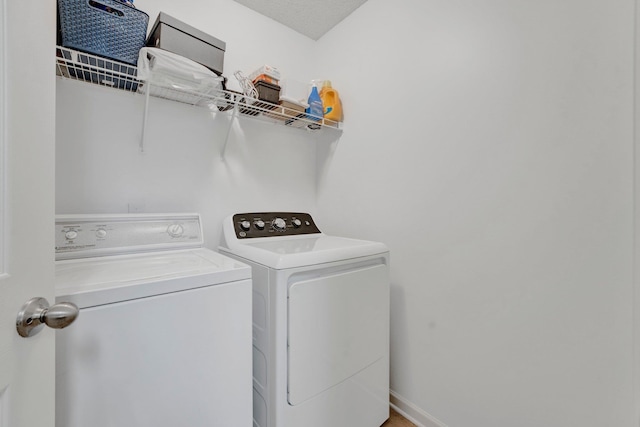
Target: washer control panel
271	224
80	236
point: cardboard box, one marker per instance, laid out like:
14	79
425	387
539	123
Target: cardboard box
170	34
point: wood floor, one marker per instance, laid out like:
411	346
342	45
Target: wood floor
397	420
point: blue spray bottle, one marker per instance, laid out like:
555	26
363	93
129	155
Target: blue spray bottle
314	110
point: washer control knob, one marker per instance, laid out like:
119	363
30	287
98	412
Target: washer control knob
279	224
101	233
259	224
245	225
175	230
70	235
296	223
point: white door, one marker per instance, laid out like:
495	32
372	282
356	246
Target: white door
27	137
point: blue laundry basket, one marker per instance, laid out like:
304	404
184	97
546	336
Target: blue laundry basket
107	28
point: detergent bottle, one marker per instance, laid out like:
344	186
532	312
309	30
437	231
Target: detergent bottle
331	102
314	110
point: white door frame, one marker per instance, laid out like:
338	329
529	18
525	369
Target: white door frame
3	133
636	220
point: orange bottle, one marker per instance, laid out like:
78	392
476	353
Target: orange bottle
331	102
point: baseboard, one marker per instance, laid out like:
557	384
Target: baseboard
412	412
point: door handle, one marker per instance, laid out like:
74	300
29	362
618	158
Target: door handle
36	313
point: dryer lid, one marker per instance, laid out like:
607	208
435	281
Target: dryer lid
300	251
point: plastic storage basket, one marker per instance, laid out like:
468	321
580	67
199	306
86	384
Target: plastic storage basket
106	28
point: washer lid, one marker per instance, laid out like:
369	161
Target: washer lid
103	280
299	251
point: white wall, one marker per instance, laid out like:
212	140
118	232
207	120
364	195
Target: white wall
489	144
265	167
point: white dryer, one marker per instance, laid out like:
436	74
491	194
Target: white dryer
163	338
320	322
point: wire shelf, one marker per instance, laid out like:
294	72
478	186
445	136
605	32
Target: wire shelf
71	64
81	66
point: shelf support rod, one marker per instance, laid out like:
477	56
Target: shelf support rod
144	116
226	138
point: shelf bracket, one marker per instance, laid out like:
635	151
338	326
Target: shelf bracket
144	116
226	138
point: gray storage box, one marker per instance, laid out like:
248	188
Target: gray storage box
173	35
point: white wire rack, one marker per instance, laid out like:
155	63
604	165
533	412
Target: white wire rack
93	69
71	64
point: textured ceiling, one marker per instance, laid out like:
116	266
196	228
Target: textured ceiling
313	18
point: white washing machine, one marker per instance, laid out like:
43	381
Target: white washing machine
163	337
320	322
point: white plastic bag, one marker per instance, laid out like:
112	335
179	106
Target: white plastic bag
186	80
